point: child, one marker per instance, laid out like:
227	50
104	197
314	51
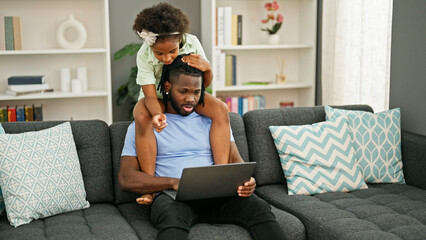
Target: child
164	27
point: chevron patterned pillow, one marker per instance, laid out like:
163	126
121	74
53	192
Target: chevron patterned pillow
40	174
1	196
377	143
318	158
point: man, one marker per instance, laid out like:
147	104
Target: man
185	143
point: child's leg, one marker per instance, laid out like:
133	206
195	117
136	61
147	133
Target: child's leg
146	144
217	111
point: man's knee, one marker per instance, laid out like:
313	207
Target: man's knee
171	214
261	211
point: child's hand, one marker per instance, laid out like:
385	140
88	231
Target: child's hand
247	189
159	122
197	61
146	199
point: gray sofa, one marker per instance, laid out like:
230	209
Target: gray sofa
114	214
384	211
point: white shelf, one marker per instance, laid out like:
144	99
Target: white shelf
263	47
42	55
289	85
256	61
54	51
53	95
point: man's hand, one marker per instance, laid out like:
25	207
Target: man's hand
247	189
197	61
159	122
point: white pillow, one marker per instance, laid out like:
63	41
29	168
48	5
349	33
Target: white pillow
40	174
318	158
377	143
1	196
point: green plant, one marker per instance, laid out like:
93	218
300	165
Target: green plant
129	91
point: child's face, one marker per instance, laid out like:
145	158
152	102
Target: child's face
166	50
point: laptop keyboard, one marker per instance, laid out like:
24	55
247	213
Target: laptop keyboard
170	193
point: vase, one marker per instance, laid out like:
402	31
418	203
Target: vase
273	39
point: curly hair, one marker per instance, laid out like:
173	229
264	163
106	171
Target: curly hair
173	71
162	18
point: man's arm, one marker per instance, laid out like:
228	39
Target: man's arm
248	188
131	178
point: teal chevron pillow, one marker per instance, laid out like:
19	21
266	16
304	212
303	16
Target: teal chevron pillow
377	143
1	196
318	158
40	174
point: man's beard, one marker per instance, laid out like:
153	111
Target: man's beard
175	106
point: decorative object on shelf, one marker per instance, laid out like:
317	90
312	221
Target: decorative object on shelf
65	76
76	86
273	22
82	75
280	77
80	30
286	104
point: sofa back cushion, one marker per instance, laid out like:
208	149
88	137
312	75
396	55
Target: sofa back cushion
118	132
261	144
92	141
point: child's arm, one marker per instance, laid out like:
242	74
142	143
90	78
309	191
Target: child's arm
198	62
154	108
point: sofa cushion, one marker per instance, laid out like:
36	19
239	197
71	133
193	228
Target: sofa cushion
261	145
40	174
384	211
318	158
139	217
99	221
377	143
92	141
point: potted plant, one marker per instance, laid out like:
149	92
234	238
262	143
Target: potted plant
129	90
273	22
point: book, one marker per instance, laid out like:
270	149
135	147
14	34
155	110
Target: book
228	102
8	33
38	112
17	33
234	70
28	87
18	80
234	30
228	70
234	104
20	93
11	114
227	16
220	26
239	29
29	113
20	113
3	114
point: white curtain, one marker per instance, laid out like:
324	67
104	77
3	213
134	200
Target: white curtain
356	47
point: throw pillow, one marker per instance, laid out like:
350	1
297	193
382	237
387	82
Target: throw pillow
40	174
1	196
318	158
377	142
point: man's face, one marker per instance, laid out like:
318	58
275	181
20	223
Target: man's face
184	94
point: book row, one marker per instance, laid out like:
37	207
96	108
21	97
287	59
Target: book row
20	85
229	27
225	70
13	32
21	113
243	104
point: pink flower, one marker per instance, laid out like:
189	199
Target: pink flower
275	6
268	6
265	20
271	16
280	18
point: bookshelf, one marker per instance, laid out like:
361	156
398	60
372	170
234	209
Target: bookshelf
42	55
256	60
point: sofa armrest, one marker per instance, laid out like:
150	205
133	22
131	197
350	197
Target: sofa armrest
413	147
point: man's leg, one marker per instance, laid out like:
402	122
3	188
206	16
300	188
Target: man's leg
173	219
252	213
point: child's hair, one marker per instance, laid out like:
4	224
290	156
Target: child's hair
174	70
162	19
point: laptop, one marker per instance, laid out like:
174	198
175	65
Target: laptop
212	181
